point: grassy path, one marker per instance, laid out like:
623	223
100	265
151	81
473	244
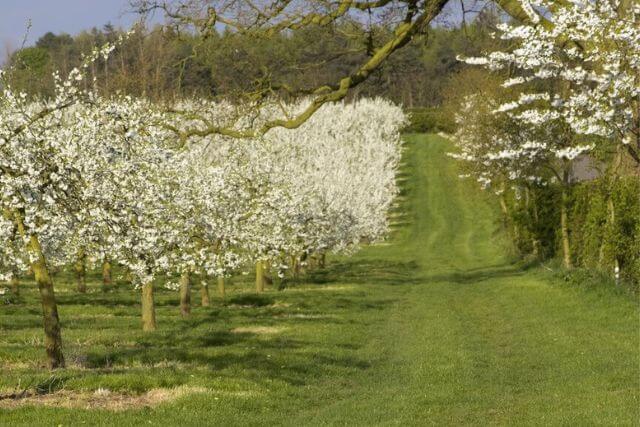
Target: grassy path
437	328
479	341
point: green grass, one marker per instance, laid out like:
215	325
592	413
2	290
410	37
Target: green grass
439	327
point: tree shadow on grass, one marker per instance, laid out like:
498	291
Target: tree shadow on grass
116	299
481	274
281	359
20	323
254	365
367	271
164	298
40	387
252	300
198	341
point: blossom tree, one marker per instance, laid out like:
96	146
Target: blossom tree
577	89
109	178
325	186
41	164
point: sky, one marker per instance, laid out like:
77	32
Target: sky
69	16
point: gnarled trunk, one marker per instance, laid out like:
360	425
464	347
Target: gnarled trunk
185	294
52	330
51	321
148	308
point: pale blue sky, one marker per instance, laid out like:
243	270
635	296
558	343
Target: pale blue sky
69	16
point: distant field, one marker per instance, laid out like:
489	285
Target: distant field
439	327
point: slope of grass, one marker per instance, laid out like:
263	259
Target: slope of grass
438	327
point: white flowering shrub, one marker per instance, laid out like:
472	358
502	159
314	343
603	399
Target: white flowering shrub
112	178
581	73
326	186
571	91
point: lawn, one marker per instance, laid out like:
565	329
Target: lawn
437	326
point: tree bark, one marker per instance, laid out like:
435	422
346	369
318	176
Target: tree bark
106	275
185	294
532	220
52	329
148	308
536	221
505	209
15	285
260	277
564	230
612	218
204	294
611	210
81	272
221	287
312	263
51	321
295	268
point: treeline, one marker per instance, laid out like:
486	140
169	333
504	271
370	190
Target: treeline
162	63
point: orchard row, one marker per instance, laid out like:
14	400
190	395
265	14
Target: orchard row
92	180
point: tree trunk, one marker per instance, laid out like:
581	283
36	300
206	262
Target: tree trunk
536	221
504	207
303	267
601	254
52	330
611	211
322	263
81	272
564	230
515	225
185	294
260	277
148	308
15	285
221	290
607	229
128	276
532	219
51	321
204	294
536	248
612	220
106	275
312	263
295	268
